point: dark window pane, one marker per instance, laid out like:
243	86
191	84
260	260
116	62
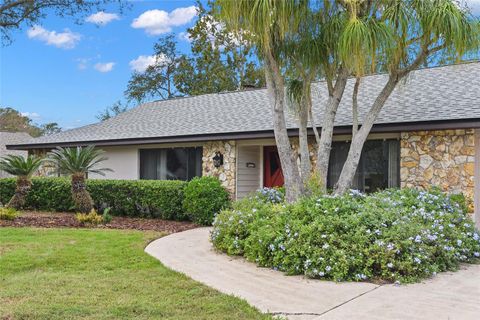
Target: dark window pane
378	167
148	164
171	164
375	165
177	164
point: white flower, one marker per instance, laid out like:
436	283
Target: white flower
390	265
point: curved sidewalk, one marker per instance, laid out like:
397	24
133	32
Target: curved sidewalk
447	296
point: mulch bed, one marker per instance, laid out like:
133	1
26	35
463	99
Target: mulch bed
61	219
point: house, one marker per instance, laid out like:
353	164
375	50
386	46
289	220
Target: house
12	138
428	134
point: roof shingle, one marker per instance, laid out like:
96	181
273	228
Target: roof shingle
432	94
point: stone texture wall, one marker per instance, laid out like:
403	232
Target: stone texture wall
226	172
312	147
445	159
47	169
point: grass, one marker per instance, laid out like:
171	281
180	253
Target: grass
100	274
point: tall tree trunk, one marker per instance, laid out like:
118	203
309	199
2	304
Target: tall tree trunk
305	164
355	106
276	92
23	187
82	199
350	167
325	145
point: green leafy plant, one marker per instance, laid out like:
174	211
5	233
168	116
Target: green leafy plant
139	198
78	162
23	168
204	198
91	218
394	235
106	216
8	213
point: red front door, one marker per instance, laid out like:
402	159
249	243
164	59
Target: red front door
272	172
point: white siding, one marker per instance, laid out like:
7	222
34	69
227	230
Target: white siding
123	161
248	179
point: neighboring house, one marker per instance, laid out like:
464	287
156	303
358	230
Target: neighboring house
7	138
428	134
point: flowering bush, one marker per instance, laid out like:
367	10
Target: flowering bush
272	195
393	235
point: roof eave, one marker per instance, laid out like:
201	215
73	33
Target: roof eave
377	128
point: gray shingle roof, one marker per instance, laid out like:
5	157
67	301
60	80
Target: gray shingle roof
433	94
7	138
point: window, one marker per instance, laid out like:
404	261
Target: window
379	166
171	164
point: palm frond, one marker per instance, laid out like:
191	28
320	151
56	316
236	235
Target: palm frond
20	166
78	160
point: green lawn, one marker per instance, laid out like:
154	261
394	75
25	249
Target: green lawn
100	274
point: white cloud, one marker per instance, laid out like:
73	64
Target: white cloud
185	36
104	67
102	18
64	40
156	21
142	63
31	115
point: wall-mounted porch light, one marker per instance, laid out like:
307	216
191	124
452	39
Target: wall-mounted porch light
218	159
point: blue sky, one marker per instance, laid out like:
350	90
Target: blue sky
63	72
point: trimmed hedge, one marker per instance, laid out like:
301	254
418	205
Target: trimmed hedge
134	198
204	199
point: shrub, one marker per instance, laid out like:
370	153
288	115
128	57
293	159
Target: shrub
8	213
272	195
393	235
91	218
107	218
204	198
134	198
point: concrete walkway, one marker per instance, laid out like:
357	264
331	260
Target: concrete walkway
447	296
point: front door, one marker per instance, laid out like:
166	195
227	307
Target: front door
272	173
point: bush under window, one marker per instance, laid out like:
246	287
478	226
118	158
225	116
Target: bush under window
393	235
204	198
134	198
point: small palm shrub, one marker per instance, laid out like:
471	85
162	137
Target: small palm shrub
8	213
78	162
394	235
204	198
91	218
106	216
23	168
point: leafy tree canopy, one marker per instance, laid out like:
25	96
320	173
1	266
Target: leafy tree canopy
15	14
157	81
112	111
13	121
220	60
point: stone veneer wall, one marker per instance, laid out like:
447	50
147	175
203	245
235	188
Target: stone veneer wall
46	169
445	159
225	173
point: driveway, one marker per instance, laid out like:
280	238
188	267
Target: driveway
451	295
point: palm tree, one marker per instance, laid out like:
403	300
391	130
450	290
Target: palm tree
23	168
271	23
78	162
